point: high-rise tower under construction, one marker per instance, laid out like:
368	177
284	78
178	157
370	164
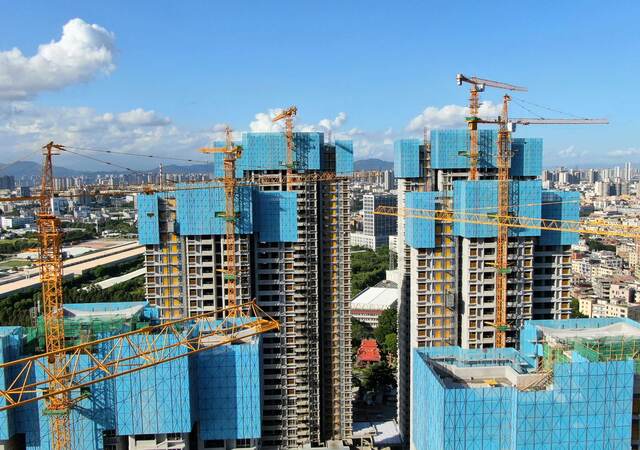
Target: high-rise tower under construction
447	270
292	255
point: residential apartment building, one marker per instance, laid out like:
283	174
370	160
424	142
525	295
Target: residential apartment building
447	270
376	228
292	256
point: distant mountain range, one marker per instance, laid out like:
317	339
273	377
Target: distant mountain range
372	164
33	169
30	168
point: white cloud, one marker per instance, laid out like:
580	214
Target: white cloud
144	118
329	124
625	152
83	51
29	126
449	116
263	123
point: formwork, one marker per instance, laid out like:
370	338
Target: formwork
344	157
564	206
420	233
481	197
450	148
610	349
84	328
148	220
526	157
277	216
202	211
406	162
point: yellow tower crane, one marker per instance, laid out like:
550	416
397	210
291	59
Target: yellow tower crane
50	262
288	114
157	344
231	154
478	85
505	220
506	126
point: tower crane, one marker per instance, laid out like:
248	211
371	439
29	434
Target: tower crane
50	262
231	153
505	128
287	115
478	85
158	344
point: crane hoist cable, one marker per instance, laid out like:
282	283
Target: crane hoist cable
140	155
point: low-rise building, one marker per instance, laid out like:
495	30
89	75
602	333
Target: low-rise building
591	306
16	222
369	304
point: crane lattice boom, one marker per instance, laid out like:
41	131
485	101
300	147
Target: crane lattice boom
144	348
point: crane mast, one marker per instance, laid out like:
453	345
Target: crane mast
60	364
288	115
231	153
502	250
50	262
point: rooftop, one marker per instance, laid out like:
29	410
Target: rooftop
375	298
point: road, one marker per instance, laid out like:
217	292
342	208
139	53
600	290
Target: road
73	266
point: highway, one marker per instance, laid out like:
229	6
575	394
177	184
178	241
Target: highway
72	267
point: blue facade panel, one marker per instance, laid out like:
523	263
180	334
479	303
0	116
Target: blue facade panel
228	393
262	151
10	347
481	197
155	400
308	150
420	232
406	163
526	160
277	216
218	160
268	151
589	405
450	148
220	388
344	157
560	205
428	406
148	224
201	211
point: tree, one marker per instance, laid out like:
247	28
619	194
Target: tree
596	245
377	376
368	268
359	331
387	324
575	309
391	344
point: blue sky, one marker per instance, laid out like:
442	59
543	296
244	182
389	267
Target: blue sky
174	72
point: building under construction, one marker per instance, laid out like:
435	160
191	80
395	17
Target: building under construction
290	252
573	385
202	401
448	270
